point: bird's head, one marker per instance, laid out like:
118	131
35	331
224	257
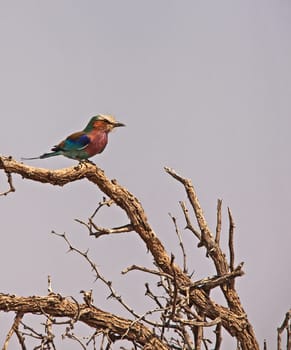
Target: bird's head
103	122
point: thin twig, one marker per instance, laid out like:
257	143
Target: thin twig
198	323
230	241
180	243
94	268
100	231
150	294
33	334
20	338
93	338
206	342
11	187
145	269
49	282
189	225
109	285
175	294
218	336
218	221
206	235
73	337
212	282
143	317
107	202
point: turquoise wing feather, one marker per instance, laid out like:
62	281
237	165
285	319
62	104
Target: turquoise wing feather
74	142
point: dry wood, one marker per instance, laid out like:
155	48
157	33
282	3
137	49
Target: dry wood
286	325
57	306
233	318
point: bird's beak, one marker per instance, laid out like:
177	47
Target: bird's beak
117	124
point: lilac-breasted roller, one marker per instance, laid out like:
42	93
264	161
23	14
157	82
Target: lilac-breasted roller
87	143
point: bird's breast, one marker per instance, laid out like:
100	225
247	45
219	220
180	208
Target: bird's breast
98	141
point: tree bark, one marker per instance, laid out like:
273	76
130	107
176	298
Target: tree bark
55	305
233	318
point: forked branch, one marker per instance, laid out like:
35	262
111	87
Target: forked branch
232	318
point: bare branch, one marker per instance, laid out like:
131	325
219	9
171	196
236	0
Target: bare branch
113	293
198	335
49	282
187	339
206	342
218	336
144	269
20	338
100	231
180	243
105	231
105	202
215	281
219	260
230	241
218	221
198	323
70	335
285	325
57	306
14	329
206	236
150	294
265	345
33	334
88	297
9	180
189	225
175	293
233	317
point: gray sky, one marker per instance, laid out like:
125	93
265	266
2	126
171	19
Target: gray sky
203	87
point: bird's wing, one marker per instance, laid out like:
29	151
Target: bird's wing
75	142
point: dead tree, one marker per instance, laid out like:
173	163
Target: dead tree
186	307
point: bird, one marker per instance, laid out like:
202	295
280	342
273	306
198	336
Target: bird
85	144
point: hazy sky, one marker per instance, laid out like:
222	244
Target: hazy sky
203	86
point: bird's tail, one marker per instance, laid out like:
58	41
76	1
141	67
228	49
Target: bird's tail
43	156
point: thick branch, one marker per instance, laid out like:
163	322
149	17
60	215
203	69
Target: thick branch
57	306
233	320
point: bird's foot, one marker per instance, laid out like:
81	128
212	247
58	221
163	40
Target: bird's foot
83	162
88	161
